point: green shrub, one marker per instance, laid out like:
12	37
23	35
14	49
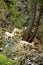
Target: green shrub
15	17
6	61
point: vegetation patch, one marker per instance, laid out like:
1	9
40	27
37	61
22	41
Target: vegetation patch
6	61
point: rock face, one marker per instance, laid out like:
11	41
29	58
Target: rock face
11	39
14	47
31	53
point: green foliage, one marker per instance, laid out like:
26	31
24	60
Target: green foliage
41	2
4	60
15	17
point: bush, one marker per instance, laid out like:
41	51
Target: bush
6	61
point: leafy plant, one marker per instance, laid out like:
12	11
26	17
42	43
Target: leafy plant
15	17
6	61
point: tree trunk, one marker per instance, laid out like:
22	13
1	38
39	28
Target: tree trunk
36	25
32	31
26	35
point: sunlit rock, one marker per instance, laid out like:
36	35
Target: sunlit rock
26	43
11	39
